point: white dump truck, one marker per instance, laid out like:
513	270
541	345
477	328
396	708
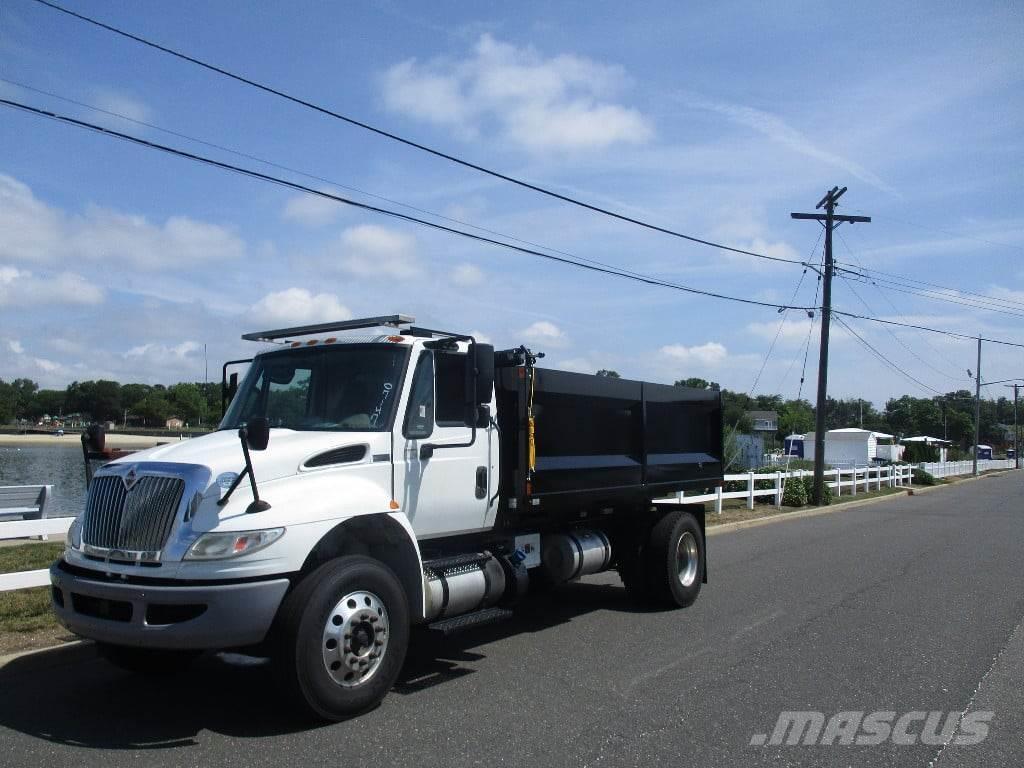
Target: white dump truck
363	484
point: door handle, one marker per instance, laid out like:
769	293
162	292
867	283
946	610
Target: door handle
481	482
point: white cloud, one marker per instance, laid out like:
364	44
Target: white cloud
710	354
577	364
120	103
557	103
163	351
297	305
369	250
20	287
778	130
311	210
481	337
46	365
546	333
32	231
467	275
15	346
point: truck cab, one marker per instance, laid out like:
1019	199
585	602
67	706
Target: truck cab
359	484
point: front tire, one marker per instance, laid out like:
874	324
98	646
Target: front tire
343	635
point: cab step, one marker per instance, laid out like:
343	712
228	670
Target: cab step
475	619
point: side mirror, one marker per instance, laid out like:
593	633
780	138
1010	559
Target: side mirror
232	386
257	433
479	381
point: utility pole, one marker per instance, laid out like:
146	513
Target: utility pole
830	221
977	408
1016	431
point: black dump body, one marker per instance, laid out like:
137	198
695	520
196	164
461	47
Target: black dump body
601	443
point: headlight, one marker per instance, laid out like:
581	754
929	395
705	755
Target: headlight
73	539
219	546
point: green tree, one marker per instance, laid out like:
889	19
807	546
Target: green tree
609	373
697	383
187	402
154	409
8	402
100	400
47	402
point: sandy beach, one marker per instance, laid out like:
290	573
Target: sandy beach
114	440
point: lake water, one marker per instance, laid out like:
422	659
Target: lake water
58	465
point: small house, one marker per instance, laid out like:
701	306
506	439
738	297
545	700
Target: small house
174	423
984	452
853	447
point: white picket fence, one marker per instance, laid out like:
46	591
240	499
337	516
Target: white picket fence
954	468
20	529
842	482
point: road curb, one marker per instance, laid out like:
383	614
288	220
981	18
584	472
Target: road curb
845	505
38	659
799	514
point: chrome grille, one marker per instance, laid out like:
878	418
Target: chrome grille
136	520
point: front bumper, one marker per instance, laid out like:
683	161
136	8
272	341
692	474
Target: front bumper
207	616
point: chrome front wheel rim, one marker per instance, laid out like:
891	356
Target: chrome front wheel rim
687	559
355	638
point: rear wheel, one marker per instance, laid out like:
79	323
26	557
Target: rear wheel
155	662
668	568
342	638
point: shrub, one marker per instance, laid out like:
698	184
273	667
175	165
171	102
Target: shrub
794	494
809	490
923	478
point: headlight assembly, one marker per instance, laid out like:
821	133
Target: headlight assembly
73	539
220	546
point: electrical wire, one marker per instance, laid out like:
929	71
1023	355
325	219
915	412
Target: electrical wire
886	360
771	347
407	142
900	341
305	174
885	297
605	269
926	294
614	271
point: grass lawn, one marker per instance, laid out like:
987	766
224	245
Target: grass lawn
26	620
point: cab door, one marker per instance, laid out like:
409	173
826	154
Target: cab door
447	491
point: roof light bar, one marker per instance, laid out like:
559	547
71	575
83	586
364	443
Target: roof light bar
390	321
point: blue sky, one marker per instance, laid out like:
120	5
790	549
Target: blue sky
716	120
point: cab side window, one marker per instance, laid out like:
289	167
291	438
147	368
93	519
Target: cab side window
419	418
451	388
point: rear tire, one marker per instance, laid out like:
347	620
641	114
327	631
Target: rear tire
667	570
154	662
342	637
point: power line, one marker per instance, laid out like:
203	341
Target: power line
614	271
886	360
899	341
384	211
408	142
910	282
954	334
305	174
889	285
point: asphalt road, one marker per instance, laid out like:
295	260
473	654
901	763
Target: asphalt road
912	604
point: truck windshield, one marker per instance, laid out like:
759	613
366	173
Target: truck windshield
350	387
